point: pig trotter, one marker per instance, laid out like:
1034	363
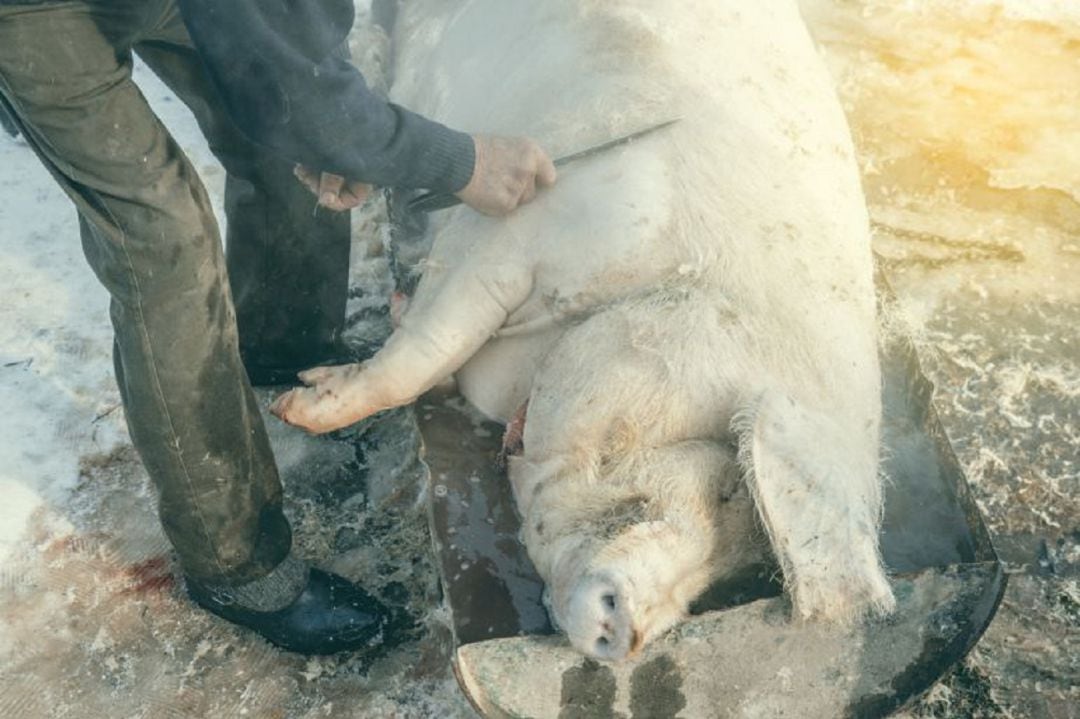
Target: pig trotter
334	398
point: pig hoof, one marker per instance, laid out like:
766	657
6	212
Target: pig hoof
600	620
334	398
305	408
289	408
315	375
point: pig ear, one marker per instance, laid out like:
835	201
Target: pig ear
818	495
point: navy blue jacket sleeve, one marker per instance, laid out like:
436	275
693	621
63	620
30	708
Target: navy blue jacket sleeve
276	66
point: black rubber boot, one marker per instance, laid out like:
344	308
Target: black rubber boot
330	615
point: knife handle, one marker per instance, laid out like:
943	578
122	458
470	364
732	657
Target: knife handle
431	201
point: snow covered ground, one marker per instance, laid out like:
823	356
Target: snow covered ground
967	117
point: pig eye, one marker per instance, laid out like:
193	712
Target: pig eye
608	600
602	644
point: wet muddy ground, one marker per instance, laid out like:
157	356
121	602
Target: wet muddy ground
987	271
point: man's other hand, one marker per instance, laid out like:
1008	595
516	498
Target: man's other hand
507	174
333	191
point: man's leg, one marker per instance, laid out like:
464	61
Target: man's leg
149	234
288	260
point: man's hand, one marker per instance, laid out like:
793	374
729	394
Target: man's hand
507	174
333	191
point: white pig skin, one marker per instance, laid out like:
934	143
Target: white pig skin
689	316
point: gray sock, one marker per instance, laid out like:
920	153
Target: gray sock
276	590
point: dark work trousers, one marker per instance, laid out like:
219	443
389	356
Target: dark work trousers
150	236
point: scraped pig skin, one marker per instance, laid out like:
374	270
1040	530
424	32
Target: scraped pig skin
690	316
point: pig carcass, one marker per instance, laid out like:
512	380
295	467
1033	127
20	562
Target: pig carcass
686	315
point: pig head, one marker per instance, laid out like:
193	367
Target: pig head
690	318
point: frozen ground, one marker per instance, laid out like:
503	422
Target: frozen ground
967	116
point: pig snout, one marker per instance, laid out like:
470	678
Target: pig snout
600	619
634	588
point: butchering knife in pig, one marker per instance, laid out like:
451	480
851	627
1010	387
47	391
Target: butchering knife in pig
432	201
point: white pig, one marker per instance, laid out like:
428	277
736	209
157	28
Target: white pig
698	301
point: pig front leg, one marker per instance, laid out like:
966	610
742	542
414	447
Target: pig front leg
436	337
817	490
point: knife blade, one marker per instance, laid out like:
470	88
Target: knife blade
432	201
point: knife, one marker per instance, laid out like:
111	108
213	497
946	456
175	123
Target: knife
431	201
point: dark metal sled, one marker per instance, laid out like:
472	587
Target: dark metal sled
740	655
